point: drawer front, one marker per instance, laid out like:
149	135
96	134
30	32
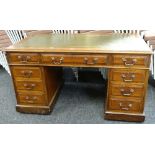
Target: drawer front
26	72
127	90
56	59
130	60
92	59
125	75
26	58
31	99
125	105
29	85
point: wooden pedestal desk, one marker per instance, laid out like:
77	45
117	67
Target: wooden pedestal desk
36	66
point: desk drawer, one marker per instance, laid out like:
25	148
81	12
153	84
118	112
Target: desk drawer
26	72
127	90
57	59
31	99
60	59
24	58
29	85
130	60
125	105
128	76
90	60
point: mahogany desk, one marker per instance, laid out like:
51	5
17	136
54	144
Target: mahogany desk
36	66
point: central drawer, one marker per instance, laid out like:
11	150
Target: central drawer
60	59
127	90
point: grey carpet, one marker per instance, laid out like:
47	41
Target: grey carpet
77	103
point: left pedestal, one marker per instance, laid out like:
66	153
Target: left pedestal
36	88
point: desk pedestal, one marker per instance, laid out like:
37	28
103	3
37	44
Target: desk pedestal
126	94
36	88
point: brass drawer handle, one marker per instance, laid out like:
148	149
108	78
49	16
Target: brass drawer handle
128	77
129	61
29	86
94	61
57	61
30	99
27	74
24	58
126	92
125	107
